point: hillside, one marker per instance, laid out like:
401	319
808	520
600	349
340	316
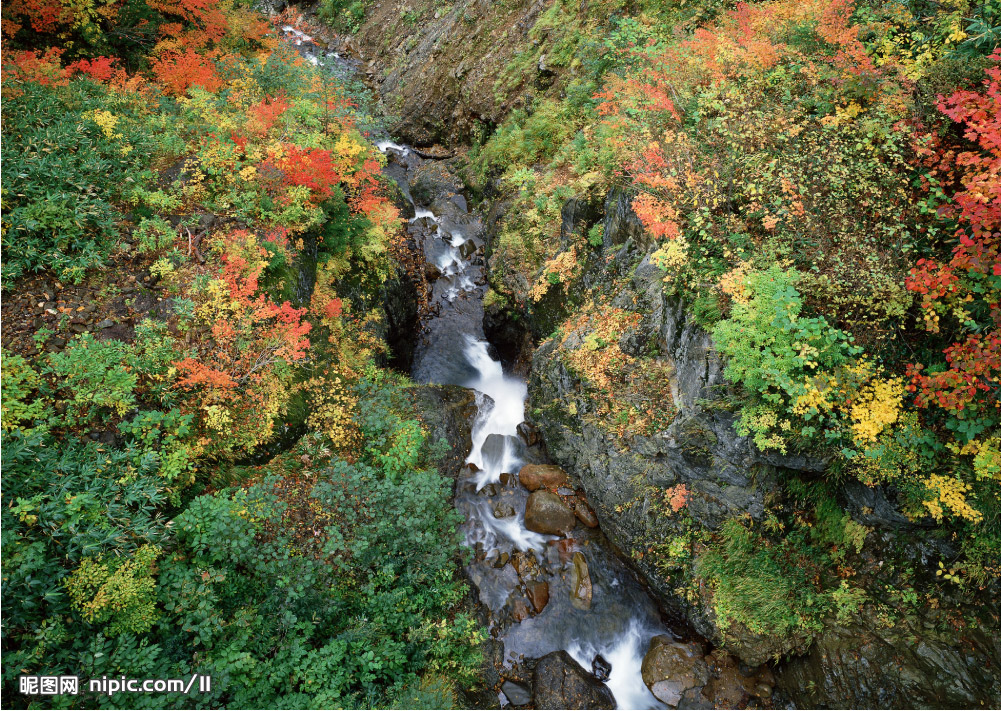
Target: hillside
418	354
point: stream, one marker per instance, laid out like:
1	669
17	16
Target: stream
512	561
525	580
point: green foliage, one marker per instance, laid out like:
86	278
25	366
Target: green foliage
94	378
762	587
62	173
120	593
344	15
20	382
772	351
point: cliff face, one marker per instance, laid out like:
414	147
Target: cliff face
448	74
862	659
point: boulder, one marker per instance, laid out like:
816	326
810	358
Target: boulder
585	514
545	512
538	594
580	583
542	476
516	693
671	668
562	683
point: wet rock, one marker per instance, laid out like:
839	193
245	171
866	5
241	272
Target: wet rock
502	510
528	433
519	610
727	688
502	560
672	668
584	513
545	512
517	694
580	583
538	594
508	479
601	668
539	476
562	683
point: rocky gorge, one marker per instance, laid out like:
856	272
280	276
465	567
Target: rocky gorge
614	484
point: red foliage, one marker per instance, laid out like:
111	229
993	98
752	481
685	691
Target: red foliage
974	373
102	69
333	308
971	279
266	112
311	167
43	16
177	72
33	66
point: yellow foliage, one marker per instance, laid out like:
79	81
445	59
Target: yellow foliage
949	492
671	257
735	284
876	407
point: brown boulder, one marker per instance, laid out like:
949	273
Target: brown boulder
545	512
671	668
538	594
541	476
585	514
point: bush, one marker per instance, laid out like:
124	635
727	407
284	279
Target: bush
62	173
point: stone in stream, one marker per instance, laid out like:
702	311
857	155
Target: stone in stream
503	510
545	512
671	668
529	433
562	683
538	594
580	583
541	476
601	667
585	514
516	693
501	560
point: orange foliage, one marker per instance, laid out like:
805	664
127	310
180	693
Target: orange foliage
178	72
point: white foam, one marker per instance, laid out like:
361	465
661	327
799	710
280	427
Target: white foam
502	418
420	212
502	533
300	36
386	145
625	653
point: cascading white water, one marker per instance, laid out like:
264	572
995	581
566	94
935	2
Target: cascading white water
621	619
625	655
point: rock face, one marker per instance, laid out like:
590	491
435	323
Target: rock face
562	683
541	476
545	512
672	668
443	74
726	477
700	448
858	666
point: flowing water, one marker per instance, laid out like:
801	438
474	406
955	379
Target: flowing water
621	618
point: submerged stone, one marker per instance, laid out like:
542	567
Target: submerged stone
580	583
